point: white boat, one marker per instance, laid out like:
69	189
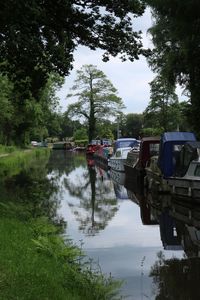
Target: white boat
186	179
116	162
118	177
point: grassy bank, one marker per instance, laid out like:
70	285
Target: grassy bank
35	260
13	160
37	264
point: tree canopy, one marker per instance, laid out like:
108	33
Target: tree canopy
96	98
38	37
163	109
176	55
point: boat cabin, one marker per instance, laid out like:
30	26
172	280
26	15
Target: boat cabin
125	142
171	144
149	147
189	152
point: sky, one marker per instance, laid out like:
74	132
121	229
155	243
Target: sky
131	79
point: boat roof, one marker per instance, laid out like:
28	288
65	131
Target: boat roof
168	154
178	136
124	142
150	138
125	139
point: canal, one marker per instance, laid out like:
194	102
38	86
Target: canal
150	242
147	240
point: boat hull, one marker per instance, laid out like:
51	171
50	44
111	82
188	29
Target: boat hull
117	164
184	187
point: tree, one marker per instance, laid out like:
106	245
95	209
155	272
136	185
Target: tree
176	56
105	129
132	125
7	111
163	109
39	37
80	134
96	98
46	118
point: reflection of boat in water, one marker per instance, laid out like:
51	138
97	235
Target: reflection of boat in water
118	177
90	162
120	191
179	222
118	184
160	207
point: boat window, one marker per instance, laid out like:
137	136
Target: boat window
125	151
118	153
124	144
197	171
154	149
177	147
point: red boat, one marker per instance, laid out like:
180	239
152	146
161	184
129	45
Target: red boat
93	147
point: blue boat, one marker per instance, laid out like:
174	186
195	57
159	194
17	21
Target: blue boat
170	147
162	167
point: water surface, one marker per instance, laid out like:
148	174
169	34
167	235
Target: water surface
107	220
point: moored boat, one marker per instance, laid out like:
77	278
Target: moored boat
117	160
186	178
92	147
137	160
124	143
160	172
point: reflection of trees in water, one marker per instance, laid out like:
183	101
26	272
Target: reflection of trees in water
176	279
97	203
33	191
63	162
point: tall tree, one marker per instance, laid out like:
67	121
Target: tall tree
96	98
163	109
38	37
176	37
7	111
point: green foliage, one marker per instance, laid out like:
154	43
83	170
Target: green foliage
163	109
7	149
176	53
154	131
12	163
96	98
7	110
68	126
34	41
81	143
80	134
37	40
131	125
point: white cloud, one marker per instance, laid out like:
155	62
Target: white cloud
131	79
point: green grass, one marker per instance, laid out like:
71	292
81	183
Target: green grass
15	161
25	272
36	262
7	149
